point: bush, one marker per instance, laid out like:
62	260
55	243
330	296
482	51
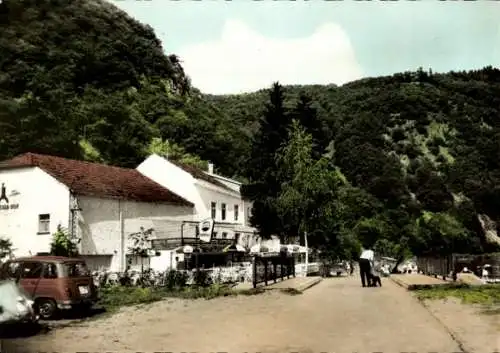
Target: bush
201	278
117	296
175	279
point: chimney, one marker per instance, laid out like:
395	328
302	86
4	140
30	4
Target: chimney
210	168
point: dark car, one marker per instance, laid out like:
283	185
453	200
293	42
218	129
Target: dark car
55	283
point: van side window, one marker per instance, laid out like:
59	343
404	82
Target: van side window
49	270
12	270
31	270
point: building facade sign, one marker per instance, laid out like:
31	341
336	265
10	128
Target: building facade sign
5	203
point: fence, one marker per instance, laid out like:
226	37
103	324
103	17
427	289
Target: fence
436	266
272	267
443	266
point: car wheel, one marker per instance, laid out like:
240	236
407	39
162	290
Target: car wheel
46	308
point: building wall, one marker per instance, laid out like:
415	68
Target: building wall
103	223
173	178
39	193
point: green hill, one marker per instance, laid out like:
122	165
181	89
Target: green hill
82	79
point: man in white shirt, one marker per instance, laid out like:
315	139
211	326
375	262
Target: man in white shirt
365	266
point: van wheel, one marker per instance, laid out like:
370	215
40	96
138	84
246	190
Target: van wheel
46	308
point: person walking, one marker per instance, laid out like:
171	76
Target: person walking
365	266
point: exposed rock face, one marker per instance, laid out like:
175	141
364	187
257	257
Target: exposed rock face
489	228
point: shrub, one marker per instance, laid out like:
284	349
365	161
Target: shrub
201	278
62	244
175	279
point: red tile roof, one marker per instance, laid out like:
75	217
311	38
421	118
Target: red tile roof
100	180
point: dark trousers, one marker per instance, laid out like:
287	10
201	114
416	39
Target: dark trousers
365	270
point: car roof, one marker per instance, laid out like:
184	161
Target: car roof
54	259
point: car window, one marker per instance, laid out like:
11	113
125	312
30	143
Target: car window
76	269
31	270
49	270
11	270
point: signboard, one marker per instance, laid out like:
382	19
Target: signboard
5	203
206	229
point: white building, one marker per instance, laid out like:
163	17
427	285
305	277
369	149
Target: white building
100	206
213	196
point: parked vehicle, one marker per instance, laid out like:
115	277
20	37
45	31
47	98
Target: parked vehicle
15	304
55	283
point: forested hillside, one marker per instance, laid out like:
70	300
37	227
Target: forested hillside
82	79
419	149
403	163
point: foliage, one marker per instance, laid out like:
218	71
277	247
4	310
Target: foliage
307	200
262	171
5	247
406	147
175	279
173	151
84	80
62	244
201	278
140	244
114	297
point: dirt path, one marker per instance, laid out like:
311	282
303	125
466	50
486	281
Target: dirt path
335	316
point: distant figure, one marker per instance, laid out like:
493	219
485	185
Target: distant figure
365	266
484	273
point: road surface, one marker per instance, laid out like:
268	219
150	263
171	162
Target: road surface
336	315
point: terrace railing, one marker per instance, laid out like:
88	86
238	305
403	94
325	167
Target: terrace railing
271	267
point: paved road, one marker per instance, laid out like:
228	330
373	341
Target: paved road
335	316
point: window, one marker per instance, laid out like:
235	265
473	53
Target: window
43	223
237	237
11	270
76	269
249	213
215	234
223	211
31	270
213	209
224	235
236	210
50	270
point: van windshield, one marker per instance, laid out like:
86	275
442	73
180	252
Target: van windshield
76	269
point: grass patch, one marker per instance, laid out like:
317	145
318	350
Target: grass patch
112	298
487	295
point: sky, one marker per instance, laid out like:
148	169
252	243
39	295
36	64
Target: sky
243	45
